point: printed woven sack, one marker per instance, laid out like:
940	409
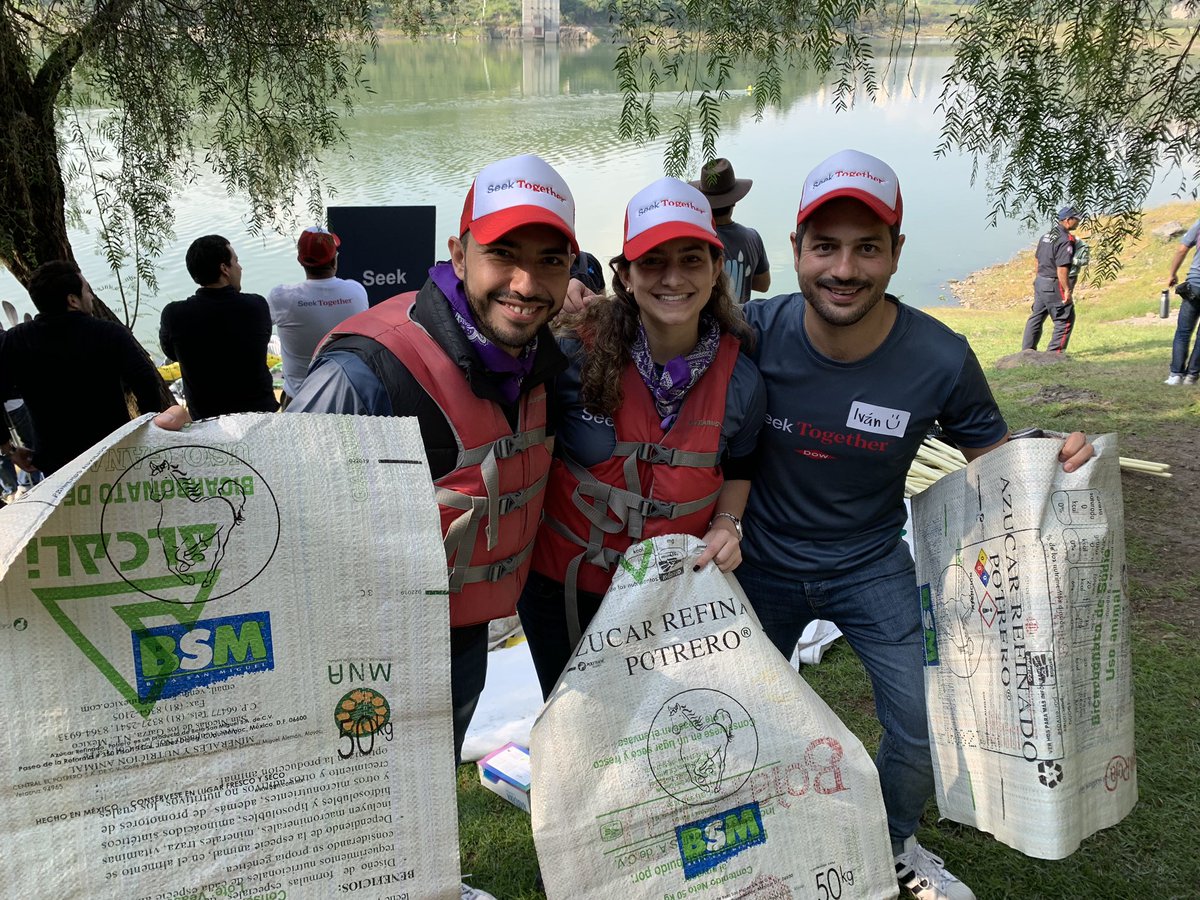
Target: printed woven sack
680	755
1028	677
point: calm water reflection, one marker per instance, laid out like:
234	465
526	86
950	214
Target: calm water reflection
439	112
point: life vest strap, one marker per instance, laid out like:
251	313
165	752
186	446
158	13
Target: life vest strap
601	556
461	533
658	455
491	571
502	448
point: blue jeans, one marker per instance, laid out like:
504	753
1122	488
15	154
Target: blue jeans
876	607
1189	314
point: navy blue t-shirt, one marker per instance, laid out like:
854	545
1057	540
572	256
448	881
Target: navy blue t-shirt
590	439
828	493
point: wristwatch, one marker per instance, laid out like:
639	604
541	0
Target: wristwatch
737	523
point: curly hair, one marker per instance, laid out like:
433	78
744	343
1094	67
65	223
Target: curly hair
609	326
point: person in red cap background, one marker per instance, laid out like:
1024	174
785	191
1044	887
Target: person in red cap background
654	420
745	256
855	379
304	313
219	336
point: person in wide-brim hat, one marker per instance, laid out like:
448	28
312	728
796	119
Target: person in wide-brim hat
719	184
746	260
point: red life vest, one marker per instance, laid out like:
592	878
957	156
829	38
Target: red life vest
497	481
654	483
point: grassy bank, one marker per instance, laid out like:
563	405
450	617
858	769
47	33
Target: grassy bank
1111	380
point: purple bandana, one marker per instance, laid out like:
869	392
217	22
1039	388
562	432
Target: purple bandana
513	369
670	384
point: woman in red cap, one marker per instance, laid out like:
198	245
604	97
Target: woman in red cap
656	420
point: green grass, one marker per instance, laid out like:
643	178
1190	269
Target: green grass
1111	381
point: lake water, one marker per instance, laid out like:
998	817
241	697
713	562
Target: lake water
441	111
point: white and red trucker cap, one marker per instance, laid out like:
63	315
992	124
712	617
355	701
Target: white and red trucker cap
851	173
668	208
520	190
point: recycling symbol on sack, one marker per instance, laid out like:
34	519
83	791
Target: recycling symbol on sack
1050	773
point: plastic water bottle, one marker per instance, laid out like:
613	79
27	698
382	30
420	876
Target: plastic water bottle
1164	304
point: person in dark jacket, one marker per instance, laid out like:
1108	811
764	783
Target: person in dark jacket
67	354
471	346
219	336
1053	286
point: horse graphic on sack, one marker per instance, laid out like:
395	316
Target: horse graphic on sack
200	548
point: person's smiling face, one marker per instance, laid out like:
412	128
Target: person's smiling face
515	284
844	261
673	282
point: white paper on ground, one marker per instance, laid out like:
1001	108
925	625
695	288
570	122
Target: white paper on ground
225	660
1028	674
816	638
509	704
681	756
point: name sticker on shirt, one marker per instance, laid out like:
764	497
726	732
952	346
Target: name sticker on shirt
877	419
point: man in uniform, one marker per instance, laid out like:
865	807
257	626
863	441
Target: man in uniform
854	381
1053	286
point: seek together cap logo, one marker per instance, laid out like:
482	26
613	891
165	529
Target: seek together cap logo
850	173
521	190
667	209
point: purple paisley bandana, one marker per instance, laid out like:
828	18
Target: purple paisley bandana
514	368
669	385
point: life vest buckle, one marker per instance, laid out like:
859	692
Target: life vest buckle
503	568
505	447
651	508
656	454
508	502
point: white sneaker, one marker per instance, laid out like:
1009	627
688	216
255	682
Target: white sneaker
1174	379
925	877
1189	379
473	893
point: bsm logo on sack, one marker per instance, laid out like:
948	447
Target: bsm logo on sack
174	659
707	843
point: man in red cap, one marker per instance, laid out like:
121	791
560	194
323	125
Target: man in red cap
469	355
304	313
855	379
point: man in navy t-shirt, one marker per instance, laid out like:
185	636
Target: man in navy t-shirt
854	381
